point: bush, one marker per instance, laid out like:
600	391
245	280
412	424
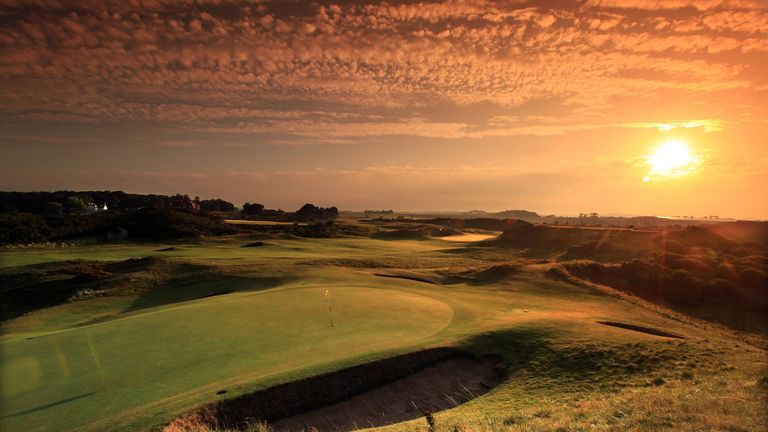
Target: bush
252	209
171	224
144	224
23	228
311	211
753	278
216	205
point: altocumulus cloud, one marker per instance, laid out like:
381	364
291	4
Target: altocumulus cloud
339	72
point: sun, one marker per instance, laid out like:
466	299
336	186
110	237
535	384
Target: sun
672	159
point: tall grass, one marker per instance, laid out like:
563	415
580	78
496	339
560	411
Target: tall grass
251	426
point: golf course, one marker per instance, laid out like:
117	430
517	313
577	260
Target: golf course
384	215
151	332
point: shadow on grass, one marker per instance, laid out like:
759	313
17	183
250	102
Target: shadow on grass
155	281
516	347
49	405
197	286
547	362
25	289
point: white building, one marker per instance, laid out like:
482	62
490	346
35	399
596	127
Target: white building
93	207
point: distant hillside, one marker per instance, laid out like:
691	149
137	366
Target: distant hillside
492	224
625	221
718	272
587	219
525	215
742	231
572	240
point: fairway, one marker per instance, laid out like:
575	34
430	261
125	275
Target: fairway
224	251
76	379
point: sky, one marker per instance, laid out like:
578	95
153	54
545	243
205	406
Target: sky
553	106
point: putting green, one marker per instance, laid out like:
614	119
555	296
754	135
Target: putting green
95	377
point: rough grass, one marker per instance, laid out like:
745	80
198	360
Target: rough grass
253	426
652	386
142	283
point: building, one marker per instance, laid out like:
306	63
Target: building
93	207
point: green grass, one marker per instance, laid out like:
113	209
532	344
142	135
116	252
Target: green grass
150	357
218	250
193	349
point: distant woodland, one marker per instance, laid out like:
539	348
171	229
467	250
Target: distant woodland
33	217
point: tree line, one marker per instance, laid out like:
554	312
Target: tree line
31	217
70	202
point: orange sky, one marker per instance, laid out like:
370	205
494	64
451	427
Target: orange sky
543	105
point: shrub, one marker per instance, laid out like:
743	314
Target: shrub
23	228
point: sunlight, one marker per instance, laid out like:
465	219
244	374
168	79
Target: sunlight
672	159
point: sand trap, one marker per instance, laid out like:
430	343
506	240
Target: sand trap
378	393
440	387
468	237
641	329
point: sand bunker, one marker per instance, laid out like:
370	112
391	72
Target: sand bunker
443	386
468	237
641	329
374	394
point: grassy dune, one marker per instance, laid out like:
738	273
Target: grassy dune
134	360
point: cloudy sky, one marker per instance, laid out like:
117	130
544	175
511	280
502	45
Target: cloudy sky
551	106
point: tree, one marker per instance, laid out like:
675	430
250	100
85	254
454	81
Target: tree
216	205
53	208
75	204
22	228
311	211
254	208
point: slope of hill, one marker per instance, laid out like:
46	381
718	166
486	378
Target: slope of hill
695	270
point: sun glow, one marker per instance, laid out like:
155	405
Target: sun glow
672	159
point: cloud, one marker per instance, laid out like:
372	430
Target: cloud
707	125
702	5
122	173
181	143
329	73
